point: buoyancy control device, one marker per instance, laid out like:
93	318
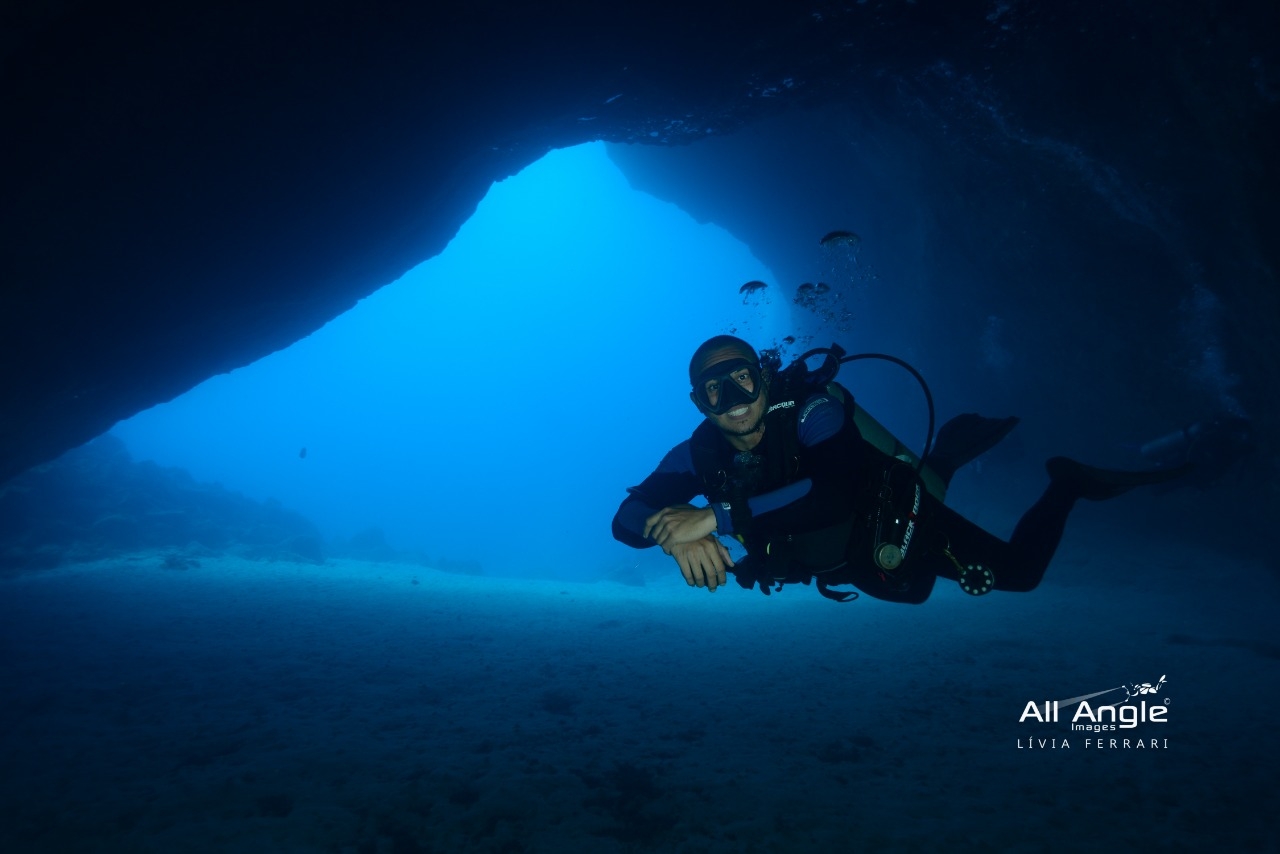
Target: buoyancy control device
903	476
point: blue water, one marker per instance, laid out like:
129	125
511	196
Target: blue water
494	402
492	406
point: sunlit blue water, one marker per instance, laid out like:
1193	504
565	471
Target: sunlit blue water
495	402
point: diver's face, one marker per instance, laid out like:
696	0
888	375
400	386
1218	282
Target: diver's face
743	417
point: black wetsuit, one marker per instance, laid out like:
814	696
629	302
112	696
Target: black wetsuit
814	485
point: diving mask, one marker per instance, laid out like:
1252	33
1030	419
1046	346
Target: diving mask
727	385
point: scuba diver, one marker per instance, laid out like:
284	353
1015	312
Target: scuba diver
816	489
1210	448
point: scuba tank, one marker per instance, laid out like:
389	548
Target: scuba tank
894	514
889	445
1173	446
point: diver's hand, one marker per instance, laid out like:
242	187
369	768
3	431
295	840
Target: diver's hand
702	562
680	523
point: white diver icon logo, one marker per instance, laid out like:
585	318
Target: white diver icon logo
1131	691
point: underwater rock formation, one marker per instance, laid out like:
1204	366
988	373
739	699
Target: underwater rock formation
96	503
191	186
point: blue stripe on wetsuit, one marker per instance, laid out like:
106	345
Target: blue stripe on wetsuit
820	419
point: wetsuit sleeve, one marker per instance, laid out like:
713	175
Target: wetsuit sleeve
821	418
672	482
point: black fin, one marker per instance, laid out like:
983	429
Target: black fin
1095	484
964	438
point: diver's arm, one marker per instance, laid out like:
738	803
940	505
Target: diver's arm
780	497
673	483
679	524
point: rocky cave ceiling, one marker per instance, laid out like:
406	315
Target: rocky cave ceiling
191	186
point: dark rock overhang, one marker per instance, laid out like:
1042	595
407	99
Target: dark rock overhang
191	186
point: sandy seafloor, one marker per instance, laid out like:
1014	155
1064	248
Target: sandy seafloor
238	706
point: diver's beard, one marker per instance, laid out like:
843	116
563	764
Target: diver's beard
746	432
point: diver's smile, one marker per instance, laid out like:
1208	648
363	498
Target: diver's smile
744	424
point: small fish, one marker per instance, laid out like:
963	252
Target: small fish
790	339
302	455
806	288
821	288
752	287
841	238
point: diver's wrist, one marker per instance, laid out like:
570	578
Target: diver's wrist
724	522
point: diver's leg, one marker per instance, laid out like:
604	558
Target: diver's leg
1036	537
1020	564
1095	484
